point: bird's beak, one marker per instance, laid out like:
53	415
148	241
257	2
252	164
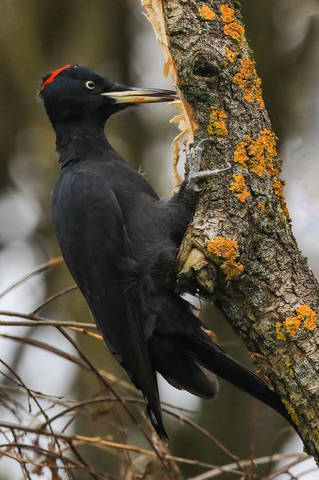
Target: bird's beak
141	95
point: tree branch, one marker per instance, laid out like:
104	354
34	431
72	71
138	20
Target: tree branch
240	251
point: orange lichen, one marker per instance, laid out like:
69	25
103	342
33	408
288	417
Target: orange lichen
278	187
262	153
261	206
206	12
309	317
228	14
239	187
305	317
224	247
279	331
232	27
224	250
232	269
217	125
240	154
292	325
249	82
235	30
231	55
258	155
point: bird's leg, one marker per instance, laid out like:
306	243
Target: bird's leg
194	159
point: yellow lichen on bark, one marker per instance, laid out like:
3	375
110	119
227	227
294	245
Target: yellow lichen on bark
206	12
223	247
224	250
279	331
309	317
258	155
262	153
232	269
240	154
290	370
235	30
249	82
217	125
238	186
228	14
231	55
305	317
292	413
261	206
292	325
232	28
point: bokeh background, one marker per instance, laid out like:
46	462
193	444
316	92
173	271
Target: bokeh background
113	37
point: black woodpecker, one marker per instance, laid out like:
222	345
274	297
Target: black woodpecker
119	241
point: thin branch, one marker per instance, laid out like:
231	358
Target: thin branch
24	468
101	443
49	453
208	435
83	331
36	401
41	268
45	323
107	384
53	297
93	401
64	403
244	463
82	364
41	320
81	459
56	351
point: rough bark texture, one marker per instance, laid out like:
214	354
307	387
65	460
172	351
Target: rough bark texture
239	250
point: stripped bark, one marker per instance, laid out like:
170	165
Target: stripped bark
239	250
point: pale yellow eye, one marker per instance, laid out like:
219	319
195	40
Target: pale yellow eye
90	84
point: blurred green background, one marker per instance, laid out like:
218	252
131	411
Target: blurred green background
114	38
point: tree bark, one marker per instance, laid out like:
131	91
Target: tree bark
239	250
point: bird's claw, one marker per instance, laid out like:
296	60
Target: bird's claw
194	159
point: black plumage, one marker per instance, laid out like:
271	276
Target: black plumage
119	241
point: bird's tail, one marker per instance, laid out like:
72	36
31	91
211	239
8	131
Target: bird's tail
156	420
205	352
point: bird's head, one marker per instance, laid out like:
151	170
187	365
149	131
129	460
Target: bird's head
76	94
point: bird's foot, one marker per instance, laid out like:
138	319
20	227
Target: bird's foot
194	159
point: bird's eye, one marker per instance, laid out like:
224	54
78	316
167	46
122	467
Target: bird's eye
90	84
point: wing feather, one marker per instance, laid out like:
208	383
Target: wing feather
93	238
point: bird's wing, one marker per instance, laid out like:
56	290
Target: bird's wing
92	234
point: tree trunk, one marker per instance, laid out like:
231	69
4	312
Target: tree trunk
239	250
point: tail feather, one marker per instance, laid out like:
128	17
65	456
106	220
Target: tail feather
157	423
211	356
171	359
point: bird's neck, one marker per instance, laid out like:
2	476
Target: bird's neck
75	142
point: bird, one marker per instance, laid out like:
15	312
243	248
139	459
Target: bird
119	241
